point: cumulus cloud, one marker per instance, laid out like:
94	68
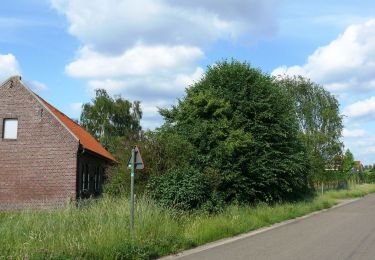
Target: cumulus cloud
148	87
8	66
113	26
345	64
361	109
184	80
140	60
149	50
154	91
354	133
363	147
150	108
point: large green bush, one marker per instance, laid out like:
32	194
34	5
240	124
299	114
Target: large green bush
181	188
244	129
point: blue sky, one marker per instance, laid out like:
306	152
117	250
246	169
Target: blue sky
150	50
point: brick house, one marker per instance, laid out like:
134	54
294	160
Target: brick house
46	159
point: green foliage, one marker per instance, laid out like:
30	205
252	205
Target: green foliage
244	130
118	180
108	119
369	175
251	139
181	188
348	164
161	152
320	125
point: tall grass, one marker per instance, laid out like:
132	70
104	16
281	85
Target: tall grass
355	191
100	230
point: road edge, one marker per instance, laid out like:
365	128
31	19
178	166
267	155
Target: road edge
229	240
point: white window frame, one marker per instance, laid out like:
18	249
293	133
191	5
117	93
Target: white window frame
10	132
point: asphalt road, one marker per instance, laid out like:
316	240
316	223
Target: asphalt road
346	232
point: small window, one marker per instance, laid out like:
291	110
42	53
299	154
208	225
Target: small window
10	128
87	177
82	176
97	179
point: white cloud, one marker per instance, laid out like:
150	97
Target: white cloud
152	119
354	133
149	50
346	66
184	80
361	109
76	107
112	86
37	86
346	63
75	110
362	146
155	91
8	66
113	25
149	86
140	60
289	71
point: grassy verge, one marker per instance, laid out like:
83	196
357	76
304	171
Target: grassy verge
101	230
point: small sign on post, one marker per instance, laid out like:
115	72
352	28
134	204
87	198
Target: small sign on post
135	162
139	165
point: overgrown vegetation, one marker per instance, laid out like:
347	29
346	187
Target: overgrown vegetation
100	229
241	150
252	139
162	151
181	188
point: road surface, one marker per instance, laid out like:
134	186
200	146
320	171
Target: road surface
346	232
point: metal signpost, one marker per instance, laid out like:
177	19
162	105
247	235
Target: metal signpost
135	162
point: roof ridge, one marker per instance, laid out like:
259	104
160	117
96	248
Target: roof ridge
87	144
59	111
75	129
17	77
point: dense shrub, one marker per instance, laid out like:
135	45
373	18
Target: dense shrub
181	188
369	175
118	181
161	152
244	129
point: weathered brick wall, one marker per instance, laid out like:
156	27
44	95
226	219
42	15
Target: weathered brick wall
37	170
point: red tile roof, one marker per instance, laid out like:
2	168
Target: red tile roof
85	139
